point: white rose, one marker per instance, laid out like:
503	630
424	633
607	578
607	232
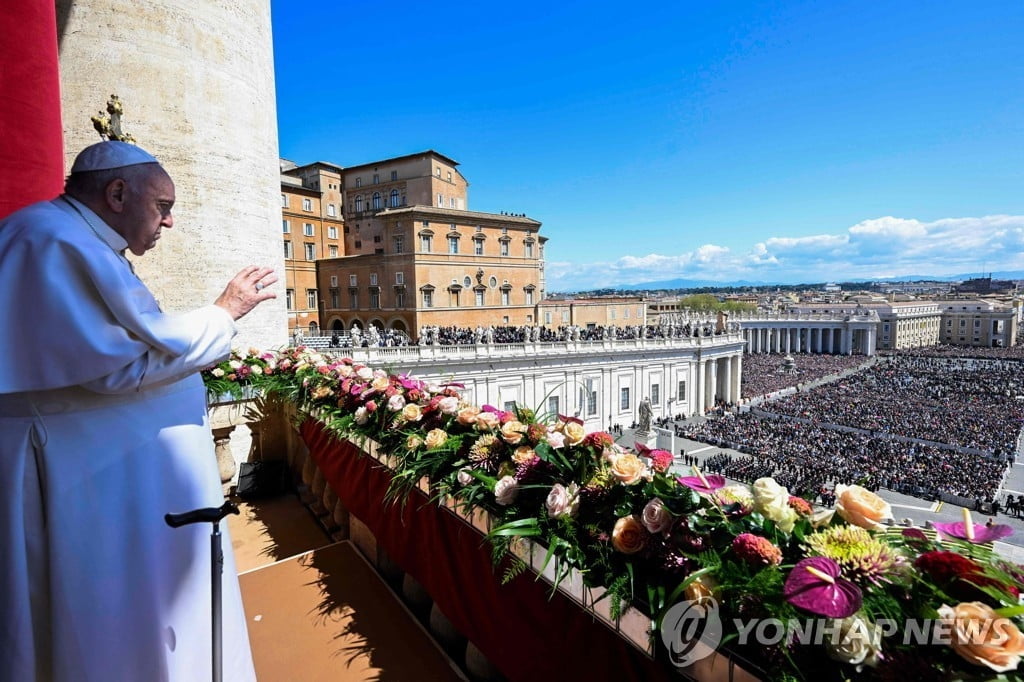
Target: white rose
448	405
771	500
396	403
344	370
256	369
505	490
362	415
217	372
235	364
857	642
412	412
465	478
364	373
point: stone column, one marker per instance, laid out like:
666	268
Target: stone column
711	383
737	376
196	80
726	379
698	389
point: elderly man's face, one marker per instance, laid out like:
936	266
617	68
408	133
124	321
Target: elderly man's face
147	209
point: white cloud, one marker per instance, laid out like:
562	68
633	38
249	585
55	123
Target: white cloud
880	247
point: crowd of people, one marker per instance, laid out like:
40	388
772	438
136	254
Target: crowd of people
1014	352
810	457
867	428
452	336
765	373
968	404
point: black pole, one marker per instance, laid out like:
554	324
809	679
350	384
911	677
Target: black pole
211	515
216	571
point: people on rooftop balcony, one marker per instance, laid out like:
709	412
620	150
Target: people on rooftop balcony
104	430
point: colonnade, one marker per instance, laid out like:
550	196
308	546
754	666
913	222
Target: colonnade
717	379
836	339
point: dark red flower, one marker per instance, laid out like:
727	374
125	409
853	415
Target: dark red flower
959	576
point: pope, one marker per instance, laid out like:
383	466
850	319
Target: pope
103	430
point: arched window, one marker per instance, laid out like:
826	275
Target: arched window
376	201
359	204
394	198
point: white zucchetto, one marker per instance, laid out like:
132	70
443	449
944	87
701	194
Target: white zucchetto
109	155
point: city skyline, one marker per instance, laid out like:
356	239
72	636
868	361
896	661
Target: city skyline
778	142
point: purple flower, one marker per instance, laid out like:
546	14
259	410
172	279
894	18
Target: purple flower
981	533
814	585
703	484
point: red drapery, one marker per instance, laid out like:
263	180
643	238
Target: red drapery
524	632
31	145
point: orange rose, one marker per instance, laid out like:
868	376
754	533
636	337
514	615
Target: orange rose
982	637
629	535
701	590
486	421
467	415
861	507
628	469
523	454
512	432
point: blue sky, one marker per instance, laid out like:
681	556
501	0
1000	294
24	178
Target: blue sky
763	141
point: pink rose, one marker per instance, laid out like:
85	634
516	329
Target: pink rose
656	517
563	501
505	490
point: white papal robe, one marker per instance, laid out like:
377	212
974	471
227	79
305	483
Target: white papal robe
103	430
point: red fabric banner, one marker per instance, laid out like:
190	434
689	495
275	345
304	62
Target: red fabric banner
524	632
31	137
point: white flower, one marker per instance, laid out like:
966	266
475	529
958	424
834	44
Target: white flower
465	478
362	415
505	490
217	372
555	439
857	642
364	373
256	369
235	364
771	501
396	403
448	405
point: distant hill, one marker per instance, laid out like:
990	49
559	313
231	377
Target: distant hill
671	284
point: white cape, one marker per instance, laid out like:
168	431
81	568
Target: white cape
103	430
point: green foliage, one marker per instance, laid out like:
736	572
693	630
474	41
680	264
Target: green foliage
622	522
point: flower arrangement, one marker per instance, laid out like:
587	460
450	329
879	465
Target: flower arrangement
886	605
230	379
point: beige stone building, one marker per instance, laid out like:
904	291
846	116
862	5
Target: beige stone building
311	226
439	267
978	323
412	255
619	311
902	324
